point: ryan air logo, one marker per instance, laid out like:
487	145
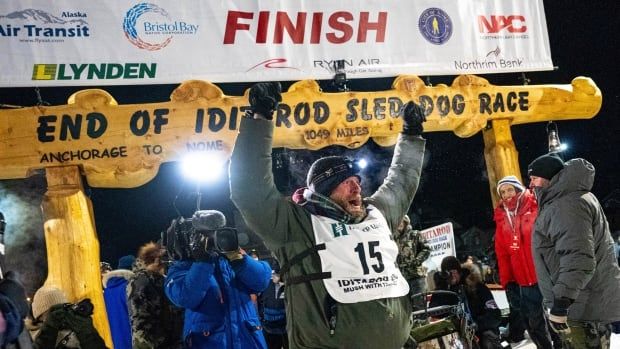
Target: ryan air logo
37	26
339	229
99	71
150	27
435	25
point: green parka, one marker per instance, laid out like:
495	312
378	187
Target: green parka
573	249
287	231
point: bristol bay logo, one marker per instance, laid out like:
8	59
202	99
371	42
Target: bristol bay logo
435	25
149	20
38	26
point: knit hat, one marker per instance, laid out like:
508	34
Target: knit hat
45	298
512	180
126	262
450	263
328	172
546	166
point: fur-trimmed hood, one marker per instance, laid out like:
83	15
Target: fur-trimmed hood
471	275
120	273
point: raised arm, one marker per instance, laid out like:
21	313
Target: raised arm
252	187
394	196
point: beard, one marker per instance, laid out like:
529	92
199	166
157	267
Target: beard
355	207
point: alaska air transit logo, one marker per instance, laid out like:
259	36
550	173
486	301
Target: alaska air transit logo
40	27
131	19
435	25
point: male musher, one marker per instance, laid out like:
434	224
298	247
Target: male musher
343	287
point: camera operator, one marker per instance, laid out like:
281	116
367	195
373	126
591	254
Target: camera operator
59	324
212	278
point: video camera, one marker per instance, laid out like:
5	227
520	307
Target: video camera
206	229
83	308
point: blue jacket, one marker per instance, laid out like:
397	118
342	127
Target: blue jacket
219	313
115	296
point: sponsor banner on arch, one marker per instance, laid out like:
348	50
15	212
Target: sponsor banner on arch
70	42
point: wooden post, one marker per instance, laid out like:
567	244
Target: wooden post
500	154
72	244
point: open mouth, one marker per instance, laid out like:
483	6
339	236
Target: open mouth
357	203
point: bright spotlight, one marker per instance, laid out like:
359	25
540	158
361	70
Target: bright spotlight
563	147
203	166
362	163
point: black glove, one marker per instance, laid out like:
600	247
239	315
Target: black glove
177	241
84	330
56	318
199	250
78	322
264	98
413	117
13	289
558	316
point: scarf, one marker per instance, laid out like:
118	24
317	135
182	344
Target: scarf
511	206
321	205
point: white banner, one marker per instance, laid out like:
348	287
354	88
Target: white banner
440	239
109	42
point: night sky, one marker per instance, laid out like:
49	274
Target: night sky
454	183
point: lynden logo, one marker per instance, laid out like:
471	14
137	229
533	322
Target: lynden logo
99	71
151	20
37	26
494	24
435	25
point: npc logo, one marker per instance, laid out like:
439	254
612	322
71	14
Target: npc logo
150	27
435	25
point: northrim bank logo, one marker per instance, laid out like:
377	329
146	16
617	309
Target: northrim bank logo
149	20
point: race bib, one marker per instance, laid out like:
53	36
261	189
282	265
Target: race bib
360	257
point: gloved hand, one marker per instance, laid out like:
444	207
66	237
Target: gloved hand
177	244
264	98
558	316
413	117
78	322
199	250
559	324
84	330
56	318
13	289
54	322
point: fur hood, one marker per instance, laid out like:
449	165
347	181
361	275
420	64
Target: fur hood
122	273
471	275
